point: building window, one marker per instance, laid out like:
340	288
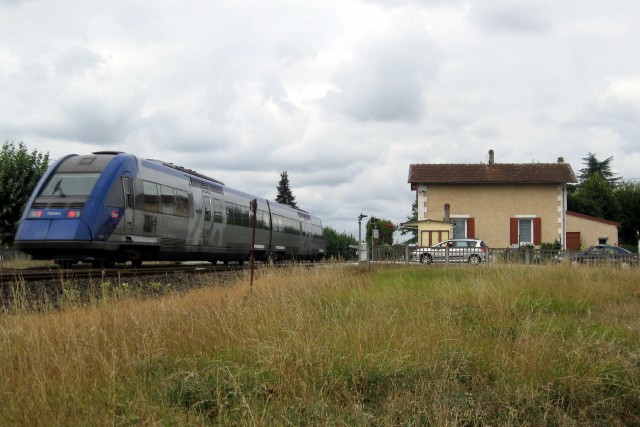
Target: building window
525	231
603	240
463	227
459	228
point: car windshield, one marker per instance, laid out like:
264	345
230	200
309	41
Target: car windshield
67	184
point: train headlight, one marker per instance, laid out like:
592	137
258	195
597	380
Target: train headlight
73	213
35	213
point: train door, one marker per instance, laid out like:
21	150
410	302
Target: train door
207	223
127	188
217	222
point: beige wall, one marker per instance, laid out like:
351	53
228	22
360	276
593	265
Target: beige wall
591	230
438	230
493	205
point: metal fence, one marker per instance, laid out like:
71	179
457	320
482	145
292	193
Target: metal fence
517	256
401	254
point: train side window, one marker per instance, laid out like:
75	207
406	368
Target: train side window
168	200
234	214
246	216
151	196
237	214
229	213
262	219
217	210
182	203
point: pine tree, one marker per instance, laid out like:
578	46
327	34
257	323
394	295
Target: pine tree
285	196
593	166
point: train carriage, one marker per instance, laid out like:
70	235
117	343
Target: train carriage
112	207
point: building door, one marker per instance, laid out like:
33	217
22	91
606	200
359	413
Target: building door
573	240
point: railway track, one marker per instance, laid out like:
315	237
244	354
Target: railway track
51	288
85	272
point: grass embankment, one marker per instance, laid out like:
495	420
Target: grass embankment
330	346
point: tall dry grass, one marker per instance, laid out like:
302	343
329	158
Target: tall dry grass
339	345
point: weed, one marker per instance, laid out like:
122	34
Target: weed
336	345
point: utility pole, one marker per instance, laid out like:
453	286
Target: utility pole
360	217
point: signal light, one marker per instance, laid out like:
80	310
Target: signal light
115	214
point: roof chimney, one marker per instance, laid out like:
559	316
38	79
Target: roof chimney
491	159
561	160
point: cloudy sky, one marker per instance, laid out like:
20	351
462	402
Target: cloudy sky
342	94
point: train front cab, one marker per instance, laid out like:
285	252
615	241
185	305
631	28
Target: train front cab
76	207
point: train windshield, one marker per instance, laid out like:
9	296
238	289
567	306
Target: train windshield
70	184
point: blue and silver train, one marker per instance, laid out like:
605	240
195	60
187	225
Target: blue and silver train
113	207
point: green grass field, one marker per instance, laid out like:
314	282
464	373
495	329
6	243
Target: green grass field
408	345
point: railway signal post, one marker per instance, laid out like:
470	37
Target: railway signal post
253	205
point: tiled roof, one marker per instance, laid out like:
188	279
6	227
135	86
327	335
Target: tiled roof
499	173
593	218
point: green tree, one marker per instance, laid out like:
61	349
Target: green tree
595	197
385	231
284	195
338	244
19	174
593	166
627	195
413	217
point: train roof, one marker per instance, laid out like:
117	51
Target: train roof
169	165
199	175
185	170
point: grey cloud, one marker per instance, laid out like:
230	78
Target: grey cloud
511	17
274	91
13	2
292	53
93	121
76	59
387	79
427	3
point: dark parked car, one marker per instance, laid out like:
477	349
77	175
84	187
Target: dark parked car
603	254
